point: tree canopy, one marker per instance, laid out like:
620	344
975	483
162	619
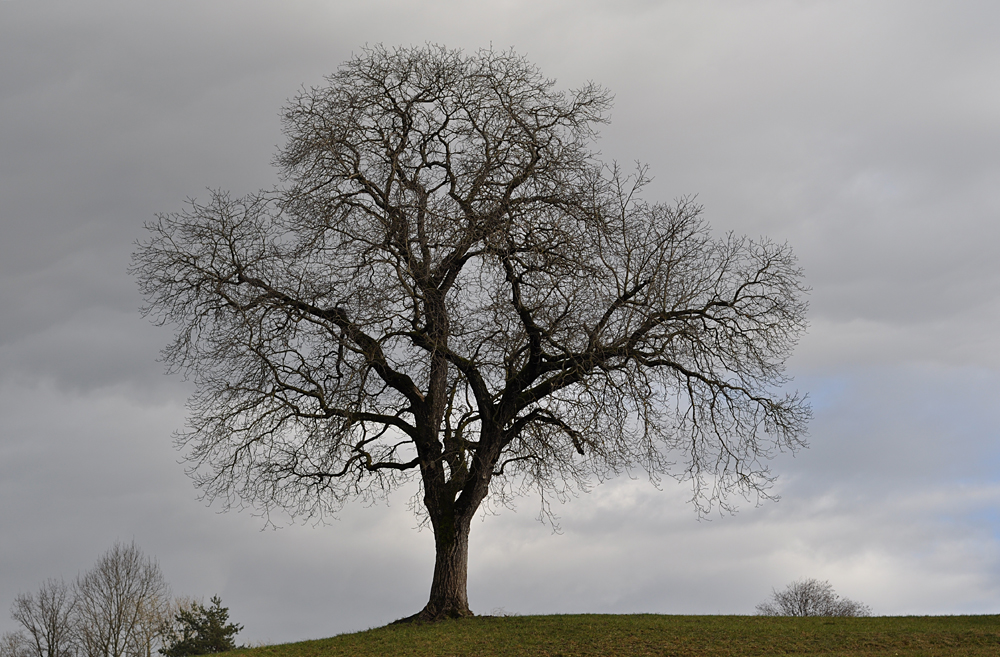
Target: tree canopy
450	285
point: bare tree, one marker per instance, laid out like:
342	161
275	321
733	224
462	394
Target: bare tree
810	597
47	616
15	644
121	604
450	285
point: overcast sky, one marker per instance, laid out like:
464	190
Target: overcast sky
865	134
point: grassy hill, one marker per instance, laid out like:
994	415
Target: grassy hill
648	634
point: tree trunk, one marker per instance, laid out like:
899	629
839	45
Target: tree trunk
451	520
449	596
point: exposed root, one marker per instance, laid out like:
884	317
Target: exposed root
432	615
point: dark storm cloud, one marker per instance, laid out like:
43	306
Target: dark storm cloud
863	133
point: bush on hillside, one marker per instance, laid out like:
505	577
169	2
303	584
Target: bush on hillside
200	630
811	597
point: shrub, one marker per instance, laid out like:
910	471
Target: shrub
810	597
200	630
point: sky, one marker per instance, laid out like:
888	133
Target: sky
864	134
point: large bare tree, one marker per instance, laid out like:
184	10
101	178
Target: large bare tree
451	285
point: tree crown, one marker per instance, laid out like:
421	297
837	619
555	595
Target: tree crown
450	282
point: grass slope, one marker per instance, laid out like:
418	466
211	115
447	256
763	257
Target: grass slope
648	634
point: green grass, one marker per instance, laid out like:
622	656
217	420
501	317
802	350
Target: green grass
648	634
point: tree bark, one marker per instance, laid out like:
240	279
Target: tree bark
449	595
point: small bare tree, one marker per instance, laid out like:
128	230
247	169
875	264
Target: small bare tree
121	604
452	286
48	618
811	597
16	644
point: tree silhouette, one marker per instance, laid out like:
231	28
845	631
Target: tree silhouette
451	286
